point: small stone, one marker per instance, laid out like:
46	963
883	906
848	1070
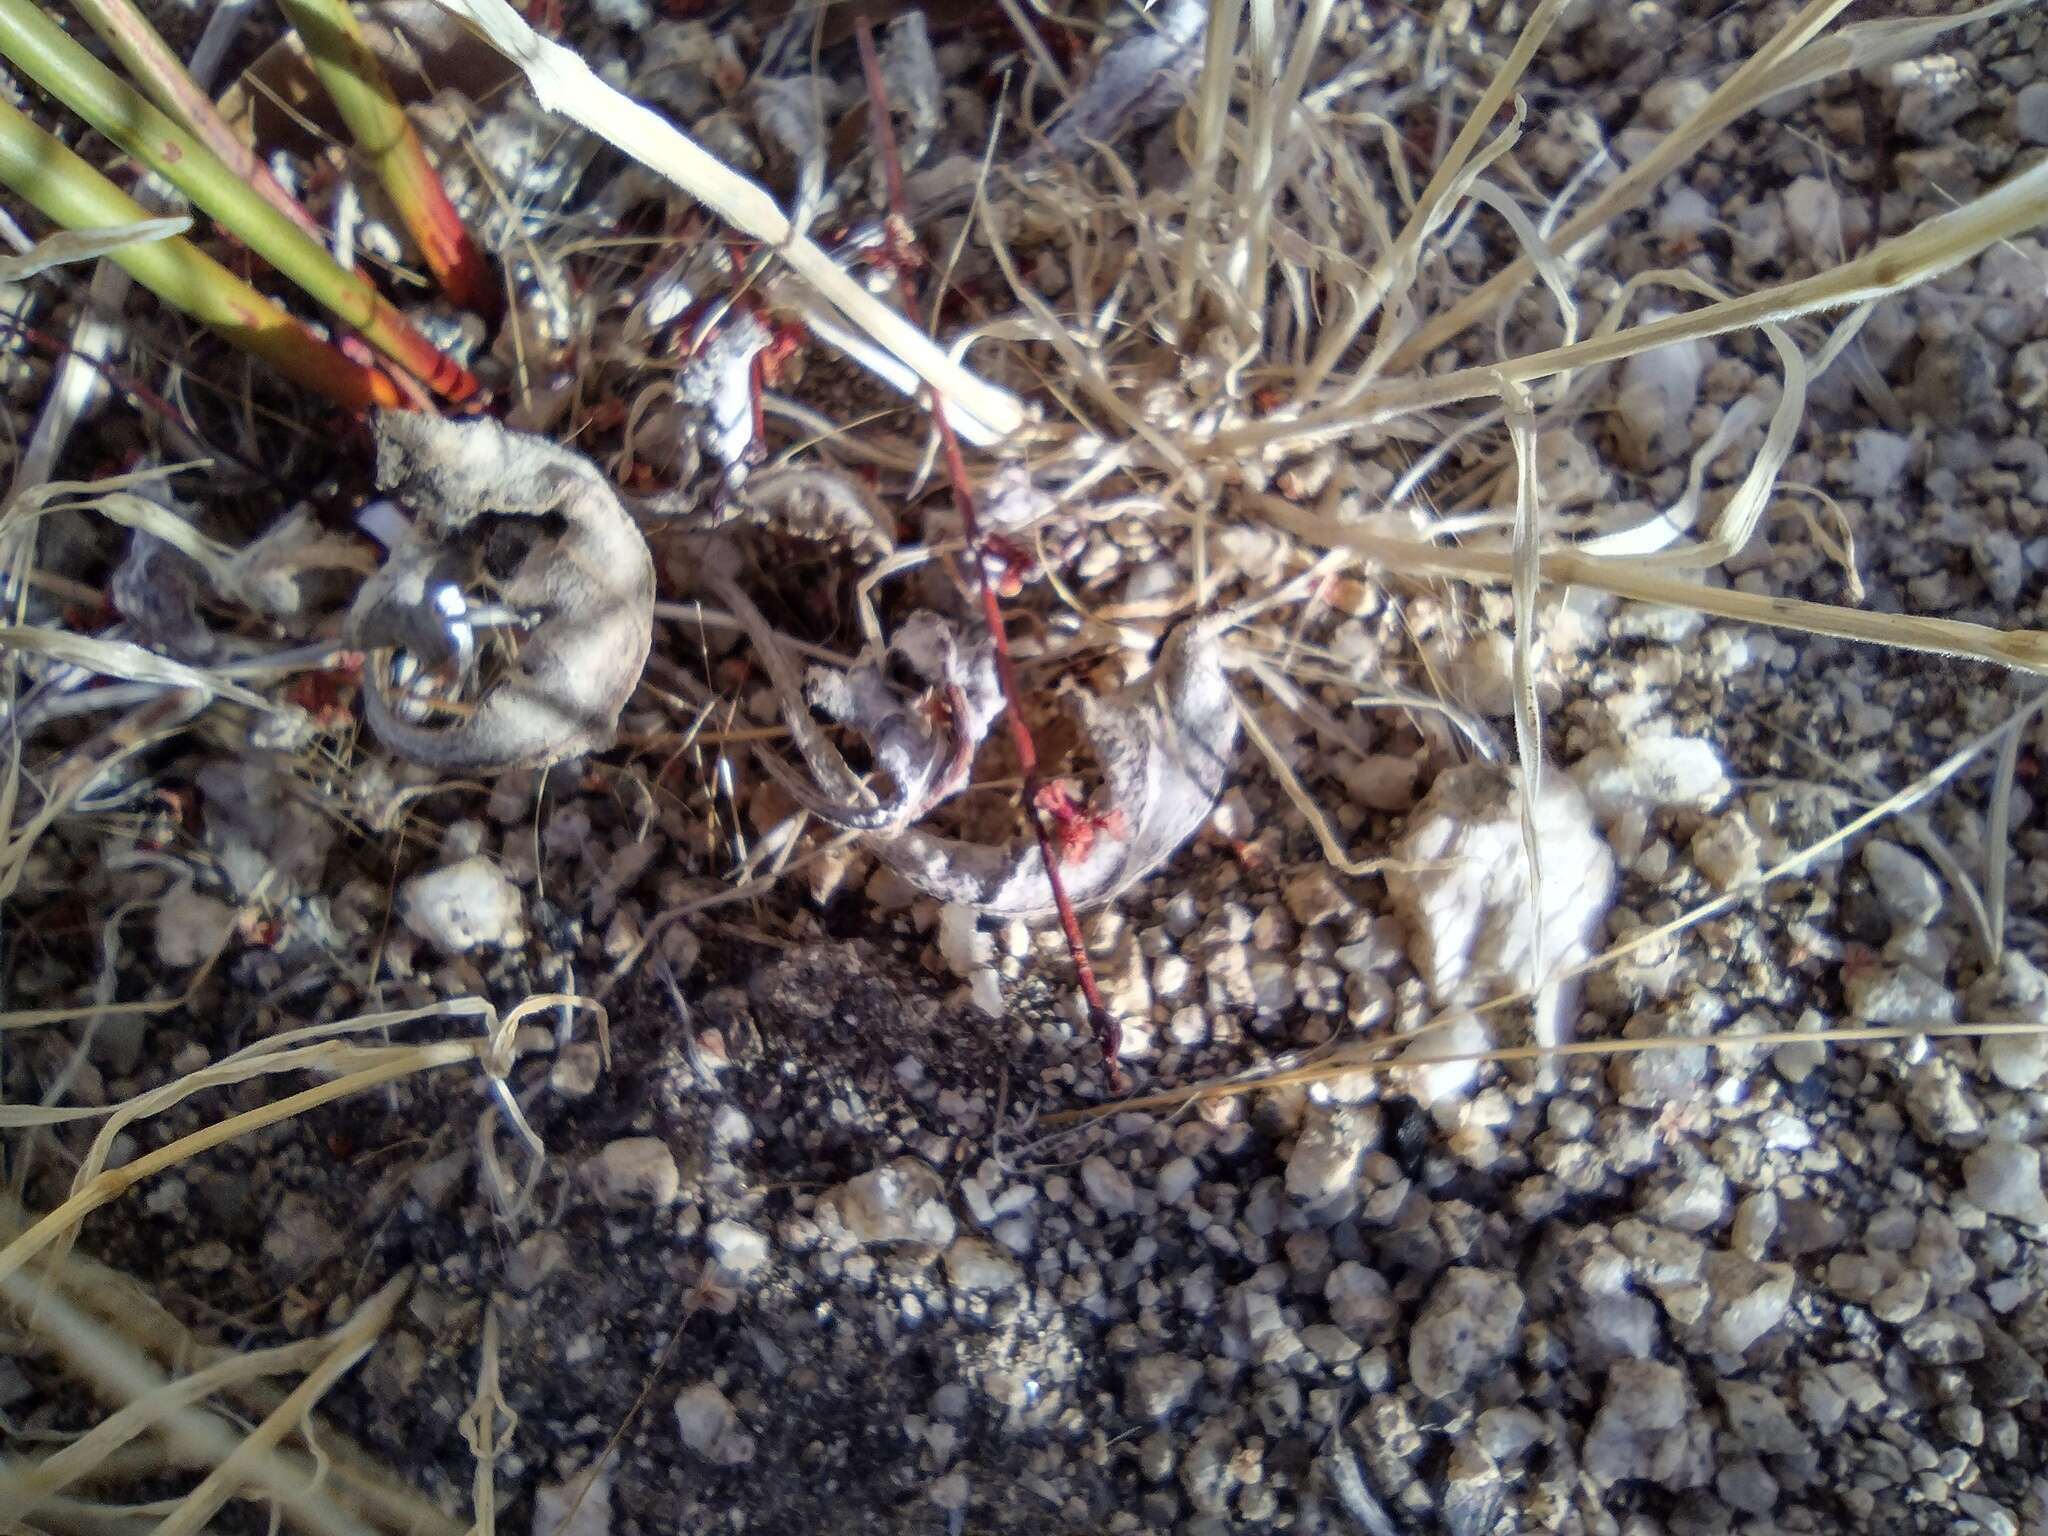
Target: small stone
1468	1326
1109	1188
1637	1432
1158	1386
536	1256
1654	773
1749	1300
1748	1485
1905	886
581	1506
1322	1171
1884	994
1176	1181
1314	897
710	1426
2017	1061
191	928
1943	1337
962	944
1460	883
975	1264
463	906
950	1493
1361	1302
1505	1433
1902	1300
2003	1178
1727	851
904	1202
300	1239
1758	1418
1329	1343
738	1248
635	1170
575	1072
2030	112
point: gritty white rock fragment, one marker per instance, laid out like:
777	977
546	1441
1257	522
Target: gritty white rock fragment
1380	781
2030	112
2003	1178
1897	994
710	1426
1875	465
636	1170
1758	1417
1109	1188
2017	1061
738	1248
581	1506
1654	399
191	928
1461	883
1905	886
1727	851
1813	215
1749	1300
1322	1171
1431	1082
1158	1386
904	1202
1467	1327
962	944
975	1264
1652	773
463	906
1640	1431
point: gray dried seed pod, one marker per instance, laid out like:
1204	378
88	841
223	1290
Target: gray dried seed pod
589	590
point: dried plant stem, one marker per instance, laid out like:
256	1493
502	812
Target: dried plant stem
355	82
2024	650
119	1371
563	83
42	51
1737	94
112	1183
160	73
346	1345
1108	1033
69	191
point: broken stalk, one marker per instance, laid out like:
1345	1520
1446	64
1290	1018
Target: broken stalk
45	53
163	77
69	191
1108	1032
355	82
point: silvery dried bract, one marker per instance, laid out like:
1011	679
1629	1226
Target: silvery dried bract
156	589
580	601
718	382
1165	745
1137	83
924	739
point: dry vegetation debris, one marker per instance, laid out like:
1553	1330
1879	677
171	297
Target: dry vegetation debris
1586	1012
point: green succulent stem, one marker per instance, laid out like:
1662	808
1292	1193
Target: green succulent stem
162	75
354	80
45	54
67	190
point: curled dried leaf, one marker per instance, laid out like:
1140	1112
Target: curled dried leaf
516	537
1164	743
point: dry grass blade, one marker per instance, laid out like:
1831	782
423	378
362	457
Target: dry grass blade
119	1371
344	1347
565	84
69	245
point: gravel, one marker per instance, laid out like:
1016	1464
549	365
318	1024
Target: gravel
814	1186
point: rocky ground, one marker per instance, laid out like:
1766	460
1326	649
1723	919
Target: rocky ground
807	1252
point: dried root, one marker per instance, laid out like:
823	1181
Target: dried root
577	605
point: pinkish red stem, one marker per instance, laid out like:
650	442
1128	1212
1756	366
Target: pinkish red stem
1108	1032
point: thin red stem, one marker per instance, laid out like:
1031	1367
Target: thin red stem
1108	1033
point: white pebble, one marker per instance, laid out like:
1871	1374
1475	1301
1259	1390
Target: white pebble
463	906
